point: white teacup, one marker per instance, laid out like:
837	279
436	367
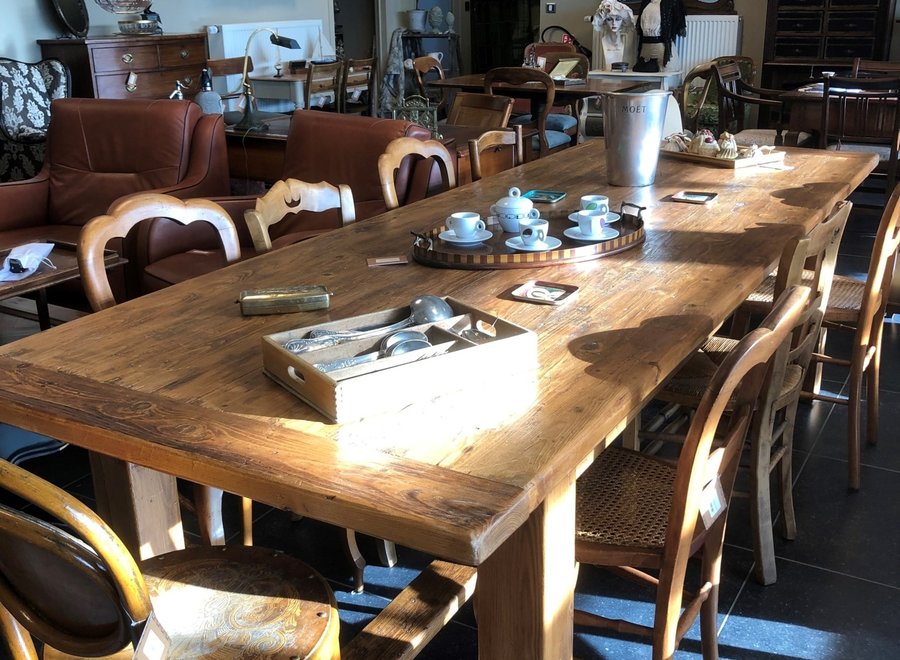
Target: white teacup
533	230
600	201
465	224
509	220
591	222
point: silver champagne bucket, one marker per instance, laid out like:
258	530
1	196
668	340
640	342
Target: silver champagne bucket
633	124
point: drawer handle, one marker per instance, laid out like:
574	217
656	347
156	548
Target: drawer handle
184	53
188	81
128	58
131	82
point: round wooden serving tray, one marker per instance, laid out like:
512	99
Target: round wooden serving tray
495	254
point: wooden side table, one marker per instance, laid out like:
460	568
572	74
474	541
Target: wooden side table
130	66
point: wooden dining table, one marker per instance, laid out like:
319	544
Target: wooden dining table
563	95
172	383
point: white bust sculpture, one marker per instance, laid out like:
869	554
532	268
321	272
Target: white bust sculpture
615	23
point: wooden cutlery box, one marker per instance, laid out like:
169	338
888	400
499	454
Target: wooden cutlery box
392	383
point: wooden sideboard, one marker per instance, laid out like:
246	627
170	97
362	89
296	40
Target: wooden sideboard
124	66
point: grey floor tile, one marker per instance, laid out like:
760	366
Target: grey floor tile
814	614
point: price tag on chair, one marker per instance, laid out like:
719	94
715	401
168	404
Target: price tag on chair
712	502
154	643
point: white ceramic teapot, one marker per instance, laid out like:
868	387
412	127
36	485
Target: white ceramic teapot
509	210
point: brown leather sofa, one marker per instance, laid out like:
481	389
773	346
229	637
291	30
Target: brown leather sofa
99	150
321	146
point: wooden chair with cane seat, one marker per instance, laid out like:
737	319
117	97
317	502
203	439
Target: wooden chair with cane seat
71	583
771	434
405	147
323	83
636	512
92	241
483	110
859	307
292	196
424	67
495	141
546	140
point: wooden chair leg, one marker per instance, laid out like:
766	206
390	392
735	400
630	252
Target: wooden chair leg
630	436
853	405
356	558
786	475
208	506
711	570
761	503
872	398
247	519
387	553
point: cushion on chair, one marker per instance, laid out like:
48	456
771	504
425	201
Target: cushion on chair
554	139
557	121
883	150
520	120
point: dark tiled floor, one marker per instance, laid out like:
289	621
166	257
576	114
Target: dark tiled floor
838	589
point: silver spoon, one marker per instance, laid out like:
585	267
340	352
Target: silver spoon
423	309
397	343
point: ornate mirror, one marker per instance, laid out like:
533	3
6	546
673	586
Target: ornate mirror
72	16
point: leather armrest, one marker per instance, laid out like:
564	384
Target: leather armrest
25	203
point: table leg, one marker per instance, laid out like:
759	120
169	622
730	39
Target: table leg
140	504
524	597
43	309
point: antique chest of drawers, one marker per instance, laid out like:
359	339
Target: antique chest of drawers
131	66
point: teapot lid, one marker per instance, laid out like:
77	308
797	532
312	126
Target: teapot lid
515	201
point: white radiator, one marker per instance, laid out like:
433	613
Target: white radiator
230	40
708	36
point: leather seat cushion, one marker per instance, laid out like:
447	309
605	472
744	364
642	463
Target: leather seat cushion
557	121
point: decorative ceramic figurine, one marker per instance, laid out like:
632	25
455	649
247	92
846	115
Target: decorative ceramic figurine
451	19
436	18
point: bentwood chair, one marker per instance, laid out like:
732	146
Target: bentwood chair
495	141
71	583
859	307
636	512
735	95
547	139
426	67
122	217
860	114
402	148
292	196
322	90
482	110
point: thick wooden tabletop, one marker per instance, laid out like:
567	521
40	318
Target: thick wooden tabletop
174	380
474	82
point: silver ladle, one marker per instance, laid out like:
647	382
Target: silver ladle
423	309
396	343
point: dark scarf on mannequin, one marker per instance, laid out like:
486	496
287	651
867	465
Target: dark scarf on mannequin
672	24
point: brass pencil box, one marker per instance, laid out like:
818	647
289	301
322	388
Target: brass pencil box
284	300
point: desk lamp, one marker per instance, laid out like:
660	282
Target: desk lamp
250	120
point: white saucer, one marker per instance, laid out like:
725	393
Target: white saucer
610	217
451	237
550	244
606	234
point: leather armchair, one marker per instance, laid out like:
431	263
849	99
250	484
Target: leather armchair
321	146
99	150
